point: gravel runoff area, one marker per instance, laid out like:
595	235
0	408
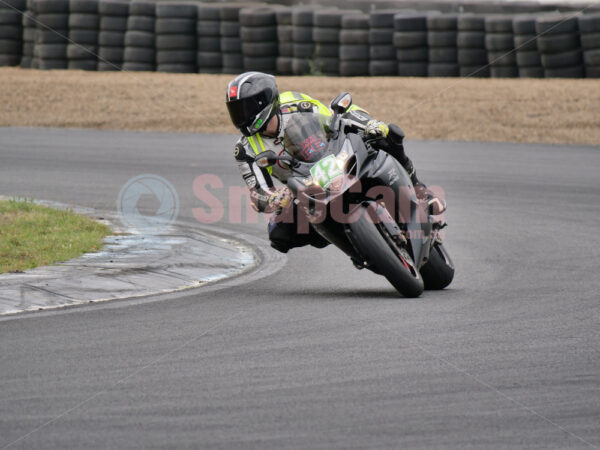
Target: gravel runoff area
519	110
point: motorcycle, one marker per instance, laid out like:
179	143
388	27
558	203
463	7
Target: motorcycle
362	201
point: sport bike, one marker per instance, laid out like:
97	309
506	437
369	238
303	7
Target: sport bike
362	201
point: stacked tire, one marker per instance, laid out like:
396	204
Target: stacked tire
258	31
52	31
29	25
285	43
470	41
589	29
11	32
84	21
111	39
500	45
441	41
176	37
410	41
208	31
560	48
140	51
231	43
382	52
354	45
302	37
326	34
527	54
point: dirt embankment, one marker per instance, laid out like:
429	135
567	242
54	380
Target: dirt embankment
519	110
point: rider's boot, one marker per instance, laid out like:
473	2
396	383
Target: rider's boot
395	147
435	204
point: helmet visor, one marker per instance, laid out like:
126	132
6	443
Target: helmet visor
243	112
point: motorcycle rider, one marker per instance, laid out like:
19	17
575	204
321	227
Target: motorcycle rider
258	110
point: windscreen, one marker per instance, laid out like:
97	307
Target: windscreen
304	137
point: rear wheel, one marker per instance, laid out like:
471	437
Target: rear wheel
438	272
374	242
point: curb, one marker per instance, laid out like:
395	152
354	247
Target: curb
129	266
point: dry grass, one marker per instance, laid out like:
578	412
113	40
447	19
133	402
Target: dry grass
521	110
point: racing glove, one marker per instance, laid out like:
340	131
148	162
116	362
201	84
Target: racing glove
376	129
281	197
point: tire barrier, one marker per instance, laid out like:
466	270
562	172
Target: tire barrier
589	28
258	32
354	45
140	41
188	36
326	34
176	41
302	38
382	52
231	43
441	41
472	54
32	19
559	46
208	29
527	54
285	45
51	35
410	41
111	38
84	22
11	32
28	22
500	45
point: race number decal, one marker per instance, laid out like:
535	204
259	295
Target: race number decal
325	171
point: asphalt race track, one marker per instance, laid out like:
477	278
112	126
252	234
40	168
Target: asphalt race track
318	354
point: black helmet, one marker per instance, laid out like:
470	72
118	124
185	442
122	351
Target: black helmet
252	99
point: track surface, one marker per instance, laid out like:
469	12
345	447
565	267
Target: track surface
320	355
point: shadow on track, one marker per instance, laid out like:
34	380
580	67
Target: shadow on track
357	294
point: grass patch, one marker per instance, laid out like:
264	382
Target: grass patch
32	235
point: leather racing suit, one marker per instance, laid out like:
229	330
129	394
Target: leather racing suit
283	234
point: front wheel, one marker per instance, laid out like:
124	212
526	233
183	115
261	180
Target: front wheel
438	272
382	253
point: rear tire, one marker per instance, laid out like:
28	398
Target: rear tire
371	242
438	272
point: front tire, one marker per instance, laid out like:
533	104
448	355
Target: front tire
374	243
438	272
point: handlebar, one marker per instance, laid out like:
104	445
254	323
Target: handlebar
269	158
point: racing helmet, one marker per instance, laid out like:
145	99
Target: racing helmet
252	99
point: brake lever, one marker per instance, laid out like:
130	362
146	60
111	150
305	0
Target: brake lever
369	141
365	138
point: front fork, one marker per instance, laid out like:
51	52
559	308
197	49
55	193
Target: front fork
402	204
